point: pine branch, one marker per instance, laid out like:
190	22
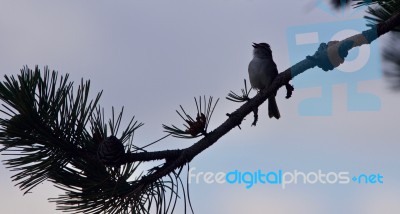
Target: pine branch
47	136
334	52
379	11
48	127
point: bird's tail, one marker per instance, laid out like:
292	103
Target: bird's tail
273	110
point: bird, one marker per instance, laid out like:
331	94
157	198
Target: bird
262	71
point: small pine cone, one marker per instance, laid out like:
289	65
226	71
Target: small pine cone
111	151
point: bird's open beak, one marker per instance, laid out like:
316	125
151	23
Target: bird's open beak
255	45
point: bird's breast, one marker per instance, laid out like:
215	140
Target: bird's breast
256	74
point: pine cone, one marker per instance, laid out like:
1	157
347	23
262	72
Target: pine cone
197	126
111	151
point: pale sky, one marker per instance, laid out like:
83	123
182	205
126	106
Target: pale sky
152	56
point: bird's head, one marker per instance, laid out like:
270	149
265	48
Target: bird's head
262	50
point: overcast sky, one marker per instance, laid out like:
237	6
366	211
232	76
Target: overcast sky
152	56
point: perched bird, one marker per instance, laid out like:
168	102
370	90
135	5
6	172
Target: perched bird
262	71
